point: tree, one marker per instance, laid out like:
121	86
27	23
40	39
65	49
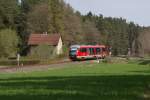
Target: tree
9	9
143	41
23	26
8	43
91	33
133	33
55	8
38	19
72	26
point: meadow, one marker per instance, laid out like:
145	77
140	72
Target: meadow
88	81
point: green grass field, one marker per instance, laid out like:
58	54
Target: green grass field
79	82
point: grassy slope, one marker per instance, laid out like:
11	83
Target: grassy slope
79	82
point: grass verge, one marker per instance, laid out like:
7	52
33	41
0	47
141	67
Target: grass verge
79	82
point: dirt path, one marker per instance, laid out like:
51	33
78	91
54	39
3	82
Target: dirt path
5	69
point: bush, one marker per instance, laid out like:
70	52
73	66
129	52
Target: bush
43	51
8	43
65	52
108	60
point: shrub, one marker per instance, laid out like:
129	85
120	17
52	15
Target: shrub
65	52
108	60
8	43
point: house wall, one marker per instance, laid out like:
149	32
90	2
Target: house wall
31	48
44	51
59	47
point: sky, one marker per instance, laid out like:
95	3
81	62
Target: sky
137	11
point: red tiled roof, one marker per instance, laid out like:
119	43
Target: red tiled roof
36	39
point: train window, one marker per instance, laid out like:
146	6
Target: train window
91	51
104	49
98	50
73	52
83	50
74	48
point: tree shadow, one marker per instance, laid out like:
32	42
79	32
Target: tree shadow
75	88
141	72
144	62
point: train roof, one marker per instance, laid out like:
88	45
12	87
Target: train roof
82	46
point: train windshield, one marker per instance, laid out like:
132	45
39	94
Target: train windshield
73	51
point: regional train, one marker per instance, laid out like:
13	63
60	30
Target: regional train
83	52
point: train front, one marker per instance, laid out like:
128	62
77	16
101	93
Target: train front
73	52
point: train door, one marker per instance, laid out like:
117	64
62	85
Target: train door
91	52
98	52
83	52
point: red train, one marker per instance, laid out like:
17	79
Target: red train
82	52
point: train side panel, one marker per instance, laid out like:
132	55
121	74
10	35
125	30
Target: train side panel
88	52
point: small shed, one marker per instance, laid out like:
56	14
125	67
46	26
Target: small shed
54	40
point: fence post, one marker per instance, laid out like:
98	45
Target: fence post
18	59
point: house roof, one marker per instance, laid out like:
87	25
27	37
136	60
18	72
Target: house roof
50	39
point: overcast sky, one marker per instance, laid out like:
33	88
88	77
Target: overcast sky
133	10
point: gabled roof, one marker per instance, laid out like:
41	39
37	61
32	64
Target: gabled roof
50	39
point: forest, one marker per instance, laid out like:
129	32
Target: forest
19	19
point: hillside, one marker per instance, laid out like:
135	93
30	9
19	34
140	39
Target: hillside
55	16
